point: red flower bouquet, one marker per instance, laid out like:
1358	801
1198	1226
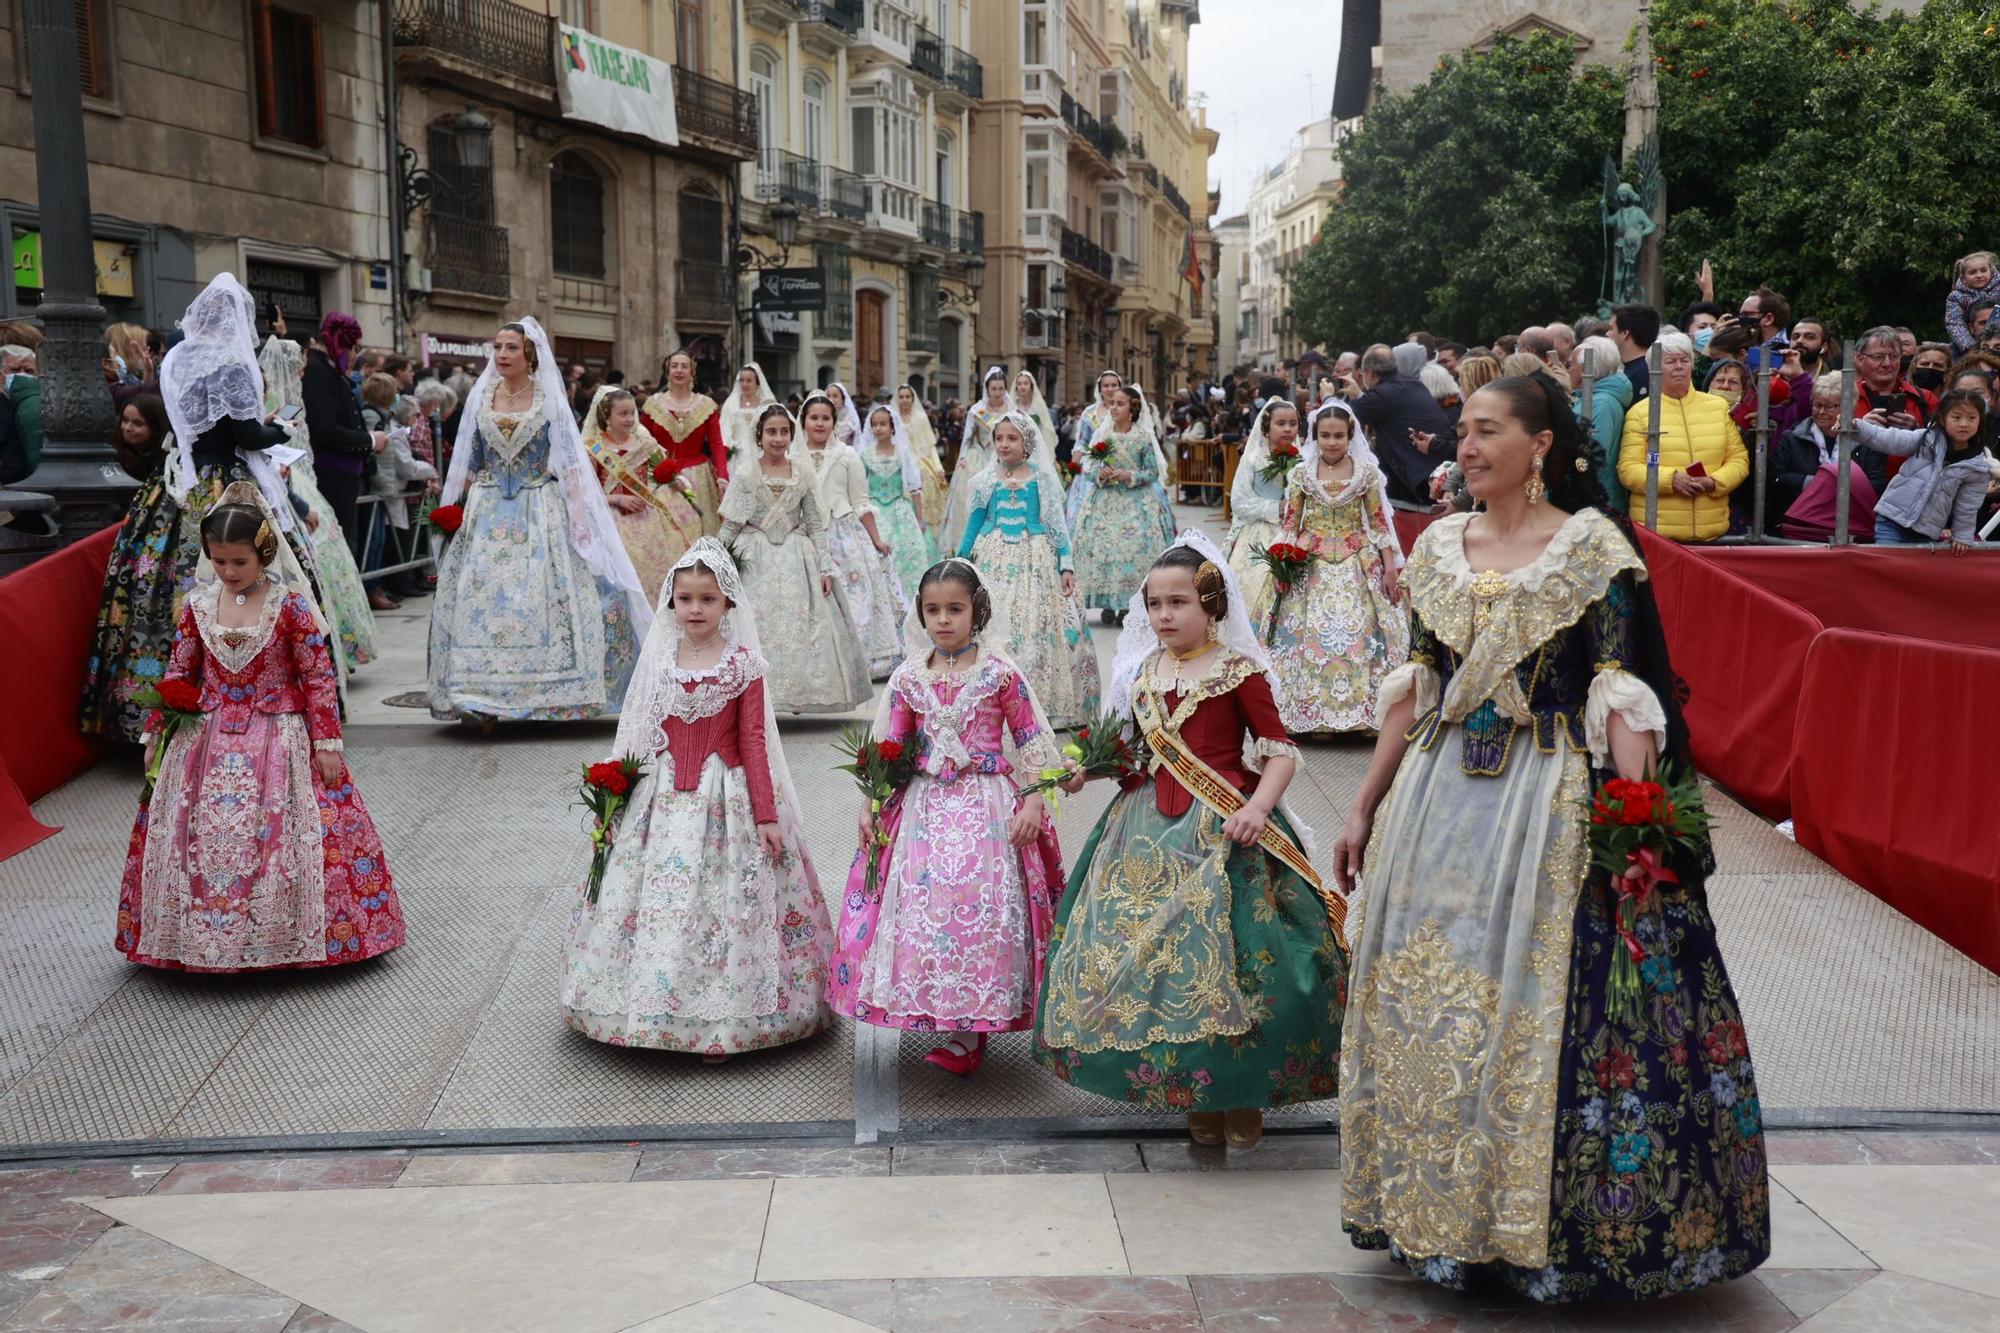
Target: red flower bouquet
1100	749
178	702
665	471
607	787
1075	465
1634	828
881	768
447	518
1287	562
1283	457
1101	450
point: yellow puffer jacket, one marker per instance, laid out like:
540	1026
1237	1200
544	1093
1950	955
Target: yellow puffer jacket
1693	426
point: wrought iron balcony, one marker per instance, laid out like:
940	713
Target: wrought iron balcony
705	292
845	15
787	176
718	113
1081	250
937	228
1175	197
964	72
491	34
927	53
972	233
846	195
466	256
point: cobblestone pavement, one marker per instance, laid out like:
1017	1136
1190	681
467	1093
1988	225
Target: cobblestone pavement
1852	1009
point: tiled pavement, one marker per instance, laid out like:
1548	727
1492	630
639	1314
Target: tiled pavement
1872	1231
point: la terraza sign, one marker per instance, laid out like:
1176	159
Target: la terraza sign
791	289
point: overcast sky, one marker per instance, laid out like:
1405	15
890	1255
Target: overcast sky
1267	67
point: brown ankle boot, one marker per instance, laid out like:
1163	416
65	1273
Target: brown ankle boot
1243	1127
1205	1128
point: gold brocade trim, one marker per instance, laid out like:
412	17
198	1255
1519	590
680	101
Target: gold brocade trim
1492	621
616	466
680	427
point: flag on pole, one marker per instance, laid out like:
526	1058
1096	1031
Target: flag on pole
1191	265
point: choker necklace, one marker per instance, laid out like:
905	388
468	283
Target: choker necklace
952	655
704	645
243	599
1191	653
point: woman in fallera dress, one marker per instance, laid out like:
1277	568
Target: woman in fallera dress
709	933
895	481
539	613
846	417
656	520
1194	967
751	395
1255	502
863	562
1016	536
1028	401
771	522
1497	1120
1339	631
1123	519
688	426
923	443
975	451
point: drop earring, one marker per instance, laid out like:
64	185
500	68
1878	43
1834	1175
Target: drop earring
1535	490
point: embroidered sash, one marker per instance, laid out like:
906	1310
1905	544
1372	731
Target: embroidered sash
613	464
1220	795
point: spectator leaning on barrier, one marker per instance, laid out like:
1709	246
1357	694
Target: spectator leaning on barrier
1937	493
1810	446
1633	328
1882	386
1695	429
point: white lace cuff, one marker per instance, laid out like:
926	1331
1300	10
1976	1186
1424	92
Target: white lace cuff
329	747
1621	692
1411	677
1267	748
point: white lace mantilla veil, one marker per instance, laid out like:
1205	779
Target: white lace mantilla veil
212	373
1361	451
1050	491
913	476
847	425
592	532
923	436
999	629
1037	411
1148	420
1137	642
285	571
644	709
735	409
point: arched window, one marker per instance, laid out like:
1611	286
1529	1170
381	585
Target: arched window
815	127
576	209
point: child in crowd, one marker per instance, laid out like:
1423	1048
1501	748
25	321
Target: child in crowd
1971	284
895	485
253	850
1194	967
1255	502
709	933
863	562
1936	494
1016	535
952	936
1337	632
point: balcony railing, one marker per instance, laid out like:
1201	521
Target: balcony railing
1041	328
927	53
922	326
466	256
705	292
846	195
491	34
1081	250
787	176
964	72
845	15
937	228
972	233
891	206
580	293
715	111
1175	197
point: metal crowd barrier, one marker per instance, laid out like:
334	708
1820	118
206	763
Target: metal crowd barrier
404	540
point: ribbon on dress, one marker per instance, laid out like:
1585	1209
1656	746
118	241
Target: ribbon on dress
616	467
1220	795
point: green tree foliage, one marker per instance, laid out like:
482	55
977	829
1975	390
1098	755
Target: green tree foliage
1845	157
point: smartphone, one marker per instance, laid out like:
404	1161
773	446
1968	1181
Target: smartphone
271	312
1695	469
1892	403
291	411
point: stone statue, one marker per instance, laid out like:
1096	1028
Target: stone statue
1626	214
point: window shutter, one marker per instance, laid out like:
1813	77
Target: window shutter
264	71
312	86
89	59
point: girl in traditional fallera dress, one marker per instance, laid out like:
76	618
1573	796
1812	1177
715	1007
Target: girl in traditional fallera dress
862	561
1016	535
1194	967
709	933
1256	502
688	426
254	850
1495	1117
343	598
952	937
846	418
923	443
656	520
895	481
771	521
751	395
1122	519
1338	632
1028	401
213	392
539	613
975	451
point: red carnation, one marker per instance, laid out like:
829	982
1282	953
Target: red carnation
890	751
610	777
181	696
1637	801
447	518
665	471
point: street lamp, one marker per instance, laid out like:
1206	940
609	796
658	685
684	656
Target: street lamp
784	216
472	135
975	278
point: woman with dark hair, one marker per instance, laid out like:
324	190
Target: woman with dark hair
688	425
1499	1116
342	445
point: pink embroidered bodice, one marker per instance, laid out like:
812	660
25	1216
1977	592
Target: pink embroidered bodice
278	665
964	719
719	711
